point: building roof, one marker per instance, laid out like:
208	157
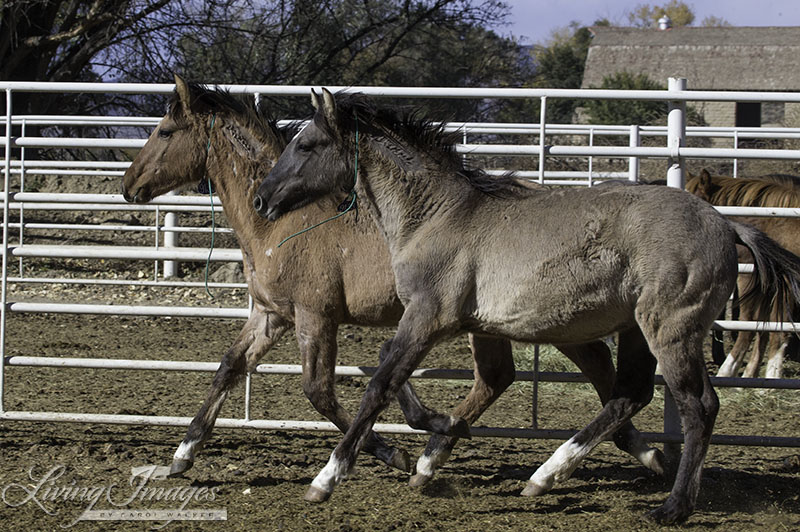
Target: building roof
713	58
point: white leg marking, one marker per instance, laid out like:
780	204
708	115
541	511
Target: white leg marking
427	465
729	367
560	466
186	451
331	475
775	362
650	459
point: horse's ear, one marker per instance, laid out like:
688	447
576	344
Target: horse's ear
184	94
315	100
705	186
329	106
705	179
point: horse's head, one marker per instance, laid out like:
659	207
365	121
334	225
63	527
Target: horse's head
176	152
317	162
702	186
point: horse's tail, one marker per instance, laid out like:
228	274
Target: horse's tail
775	284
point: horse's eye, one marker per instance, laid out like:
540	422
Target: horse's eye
164	133
303	147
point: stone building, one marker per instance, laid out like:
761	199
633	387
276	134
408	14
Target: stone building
710	58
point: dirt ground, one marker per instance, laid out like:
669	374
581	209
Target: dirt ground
258	477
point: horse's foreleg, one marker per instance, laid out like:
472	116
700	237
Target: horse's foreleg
494	373
594	361
402	355
633	389
256	338
316	336
419	416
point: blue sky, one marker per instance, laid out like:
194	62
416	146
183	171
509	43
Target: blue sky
536	19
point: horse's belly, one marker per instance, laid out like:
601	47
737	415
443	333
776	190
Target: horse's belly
573	306
554	325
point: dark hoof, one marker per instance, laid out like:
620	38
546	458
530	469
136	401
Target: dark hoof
668	514
460	429
316	495
419	480
179	467
400	460
533	490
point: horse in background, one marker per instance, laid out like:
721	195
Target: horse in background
776	190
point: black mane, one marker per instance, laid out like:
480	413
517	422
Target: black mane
424	135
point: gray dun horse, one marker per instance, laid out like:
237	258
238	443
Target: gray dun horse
489	256
336	274
763	191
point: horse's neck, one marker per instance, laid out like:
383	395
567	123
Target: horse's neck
233	170
401	198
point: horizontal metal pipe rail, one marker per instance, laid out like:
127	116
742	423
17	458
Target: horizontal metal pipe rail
417	92
357	371
480	149
387	428
125	252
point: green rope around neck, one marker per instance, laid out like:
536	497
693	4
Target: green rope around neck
211	199
350	207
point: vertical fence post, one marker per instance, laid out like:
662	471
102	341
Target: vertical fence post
535	404
4	282
170	240
542	123
21	189
633	162
735	161
672	426
676	135
591	159
247	389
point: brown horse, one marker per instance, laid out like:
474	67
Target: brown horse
764	191
486	255
338	273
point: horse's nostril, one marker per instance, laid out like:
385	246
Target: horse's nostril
258	203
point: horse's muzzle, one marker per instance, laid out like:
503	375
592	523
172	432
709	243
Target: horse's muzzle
125	194
264	210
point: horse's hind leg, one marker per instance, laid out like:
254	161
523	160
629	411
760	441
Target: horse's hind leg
494	372
684	372
774	345
256	338
594	361
633	389
730	368
316	336
763	342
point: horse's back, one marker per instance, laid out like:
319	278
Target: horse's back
588	256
